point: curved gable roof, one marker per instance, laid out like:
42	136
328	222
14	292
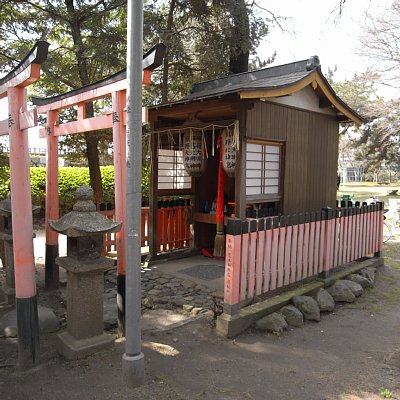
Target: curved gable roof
282	80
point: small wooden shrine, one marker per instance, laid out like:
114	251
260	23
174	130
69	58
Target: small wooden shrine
277	129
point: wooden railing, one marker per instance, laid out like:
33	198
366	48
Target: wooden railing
269	253
173	231
109	238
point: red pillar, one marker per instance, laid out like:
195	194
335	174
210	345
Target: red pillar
119	138
22	226
52	212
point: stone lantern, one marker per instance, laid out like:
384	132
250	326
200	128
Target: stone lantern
85	267
7	291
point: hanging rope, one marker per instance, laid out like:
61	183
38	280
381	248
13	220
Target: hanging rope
231	127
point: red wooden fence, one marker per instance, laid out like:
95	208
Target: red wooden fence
269	253
173	231
109	238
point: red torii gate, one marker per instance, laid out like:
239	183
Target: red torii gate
13	86
114	86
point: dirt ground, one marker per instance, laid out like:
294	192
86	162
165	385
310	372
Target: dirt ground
353	353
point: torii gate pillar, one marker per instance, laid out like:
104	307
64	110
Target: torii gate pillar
13	86
21	206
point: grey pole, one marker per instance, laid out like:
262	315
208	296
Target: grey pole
133	358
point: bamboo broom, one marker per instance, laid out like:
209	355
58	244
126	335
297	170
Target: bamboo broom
219	242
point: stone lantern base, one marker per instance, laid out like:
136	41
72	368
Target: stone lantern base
7	295
7	290
85	326
72	349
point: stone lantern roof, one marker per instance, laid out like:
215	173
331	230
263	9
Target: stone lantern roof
5	208
84	220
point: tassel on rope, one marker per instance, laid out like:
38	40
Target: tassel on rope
236	139
204	144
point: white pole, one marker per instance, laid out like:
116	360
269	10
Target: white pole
133	358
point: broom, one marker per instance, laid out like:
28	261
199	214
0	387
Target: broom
219	242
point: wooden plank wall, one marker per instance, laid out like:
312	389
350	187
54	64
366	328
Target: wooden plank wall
311	153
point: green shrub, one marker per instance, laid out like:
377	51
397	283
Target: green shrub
38	185
4	180
69	179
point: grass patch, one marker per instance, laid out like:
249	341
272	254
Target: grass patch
365	190
391	255
163	380
386	393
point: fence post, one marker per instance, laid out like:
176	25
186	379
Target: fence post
260	255
232	265
380	228
327	258
357	232
244	254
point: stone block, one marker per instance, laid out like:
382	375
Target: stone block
73	349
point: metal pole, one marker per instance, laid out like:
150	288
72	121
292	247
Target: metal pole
133	358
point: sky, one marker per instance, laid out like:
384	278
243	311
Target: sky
311	28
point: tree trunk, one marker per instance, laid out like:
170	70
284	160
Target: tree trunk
91	138
92	152
167	42
240	38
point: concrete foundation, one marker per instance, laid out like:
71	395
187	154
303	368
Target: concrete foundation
133	370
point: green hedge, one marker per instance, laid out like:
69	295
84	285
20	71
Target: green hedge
69	179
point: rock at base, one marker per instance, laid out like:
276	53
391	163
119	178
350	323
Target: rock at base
274	322
368	273
356	288
308	306
110	312
48	322
148	302
361	280
325	300
341	292
293	316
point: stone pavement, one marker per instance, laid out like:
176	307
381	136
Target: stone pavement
162	290
188	287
